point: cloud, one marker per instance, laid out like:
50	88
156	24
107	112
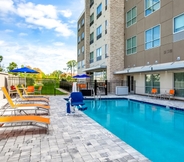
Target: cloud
45	58
9	31
2	43
58	43
23	34
6	6
66	13
39	16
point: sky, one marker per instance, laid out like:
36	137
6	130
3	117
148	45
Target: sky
39	33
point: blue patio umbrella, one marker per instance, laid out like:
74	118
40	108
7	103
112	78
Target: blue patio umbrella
24	70
81	76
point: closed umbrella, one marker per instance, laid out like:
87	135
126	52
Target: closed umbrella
24	70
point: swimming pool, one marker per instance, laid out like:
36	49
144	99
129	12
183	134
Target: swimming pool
155	131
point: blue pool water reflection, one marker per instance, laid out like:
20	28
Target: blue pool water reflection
155	131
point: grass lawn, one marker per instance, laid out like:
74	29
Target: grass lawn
50	89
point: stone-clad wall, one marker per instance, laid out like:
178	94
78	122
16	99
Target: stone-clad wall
115	38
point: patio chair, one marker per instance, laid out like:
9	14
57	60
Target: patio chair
35	99
26	106
39	90
26	94
76	100
169	95
27	120
153	93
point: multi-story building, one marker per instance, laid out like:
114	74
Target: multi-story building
138	41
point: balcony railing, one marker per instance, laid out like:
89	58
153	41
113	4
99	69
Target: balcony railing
98	36
106	55
91	23
91	42
105	31
91	4
91	61
99	15
106	7
98	58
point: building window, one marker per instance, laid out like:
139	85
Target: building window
151	6
91	38
82	23
152	37
82	64
99	32
82	36
82	49
105	26
152	81
79	26
131	45
92	19
79	51
91	57
131	17
106	2
99	10
179	23
79	39
99	54
179	84
79	64
106	51
91	3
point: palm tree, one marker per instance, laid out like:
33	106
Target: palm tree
71	66
1	59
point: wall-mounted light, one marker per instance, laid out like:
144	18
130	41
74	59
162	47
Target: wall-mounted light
178	59
156	62
147	63
134	65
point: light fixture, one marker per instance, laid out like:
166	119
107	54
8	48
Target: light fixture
134	65
147	63
178	59
156	62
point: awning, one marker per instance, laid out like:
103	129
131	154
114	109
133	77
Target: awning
134	70
156	67
96	68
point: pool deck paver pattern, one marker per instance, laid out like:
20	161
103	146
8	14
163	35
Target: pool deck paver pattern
71	138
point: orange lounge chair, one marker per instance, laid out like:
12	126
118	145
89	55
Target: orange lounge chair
170	94
32	119
28	95
153	92
35	99
23	107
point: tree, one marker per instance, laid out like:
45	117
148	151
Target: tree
1	59
12	66
71	66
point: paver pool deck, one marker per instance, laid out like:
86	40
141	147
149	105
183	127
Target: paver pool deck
72	138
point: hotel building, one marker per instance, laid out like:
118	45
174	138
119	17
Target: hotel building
140	42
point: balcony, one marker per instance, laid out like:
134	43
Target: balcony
98	58
99	15
98	36
105	31
91	61
91	23
106	55
91	42
91	4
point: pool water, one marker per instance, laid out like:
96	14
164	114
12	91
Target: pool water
154	131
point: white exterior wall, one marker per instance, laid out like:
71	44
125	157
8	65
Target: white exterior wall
103	40
3	77
166	81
